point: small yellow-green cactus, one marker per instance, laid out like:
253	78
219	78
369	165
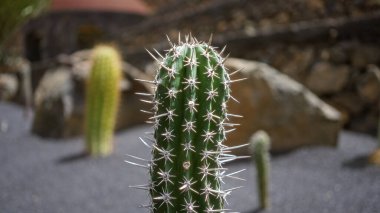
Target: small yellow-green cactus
260	145
102	98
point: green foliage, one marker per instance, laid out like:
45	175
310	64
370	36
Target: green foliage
102	99
192	87
13	13
260	145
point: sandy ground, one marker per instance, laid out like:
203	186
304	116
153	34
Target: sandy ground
51	176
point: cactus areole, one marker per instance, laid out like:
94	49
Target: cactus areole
189	117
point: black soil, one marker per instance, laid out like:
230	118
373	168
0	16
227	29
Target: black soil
53	176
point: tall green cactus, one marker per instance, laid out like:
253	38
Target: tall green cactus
192	87
102	98
260	145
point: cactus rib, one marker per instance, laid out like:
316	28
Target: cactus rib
260	145
102	98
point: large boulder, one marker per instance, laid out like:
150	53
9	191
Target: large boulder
291	114
60	98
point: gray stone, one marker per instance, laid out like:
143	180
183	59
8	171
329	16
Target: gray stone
15	80
54	105
291	114
326	78
8	86
4	126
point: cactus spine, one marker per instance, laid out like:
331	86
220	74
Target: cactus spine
102	98
260	145
189	104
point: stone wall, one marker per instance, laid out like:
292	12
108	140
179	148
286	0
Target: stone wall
332	47
64	32
60	32
227	16
345	74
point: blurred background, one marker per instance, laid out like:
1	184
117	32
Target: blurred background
331	47
312	69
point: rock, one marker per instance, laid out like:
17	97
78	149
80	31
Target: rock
362	55
54	105
271	101
338	53
4	126
15	80
326	78
59	79
369	86
8	86
345	116
297	65
351	102
316	5
59	98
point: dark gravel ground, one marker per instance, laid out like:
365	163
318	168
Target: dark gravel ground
37	175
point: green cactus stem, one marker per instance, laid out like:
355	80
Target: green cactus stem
102	98
378	133
190	118
260	145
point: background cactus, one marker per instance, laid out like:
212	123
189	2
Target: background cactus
190	116
102	98
374	158
260	145
378	133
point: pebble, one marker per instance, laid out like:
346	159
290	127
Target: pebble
4	126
